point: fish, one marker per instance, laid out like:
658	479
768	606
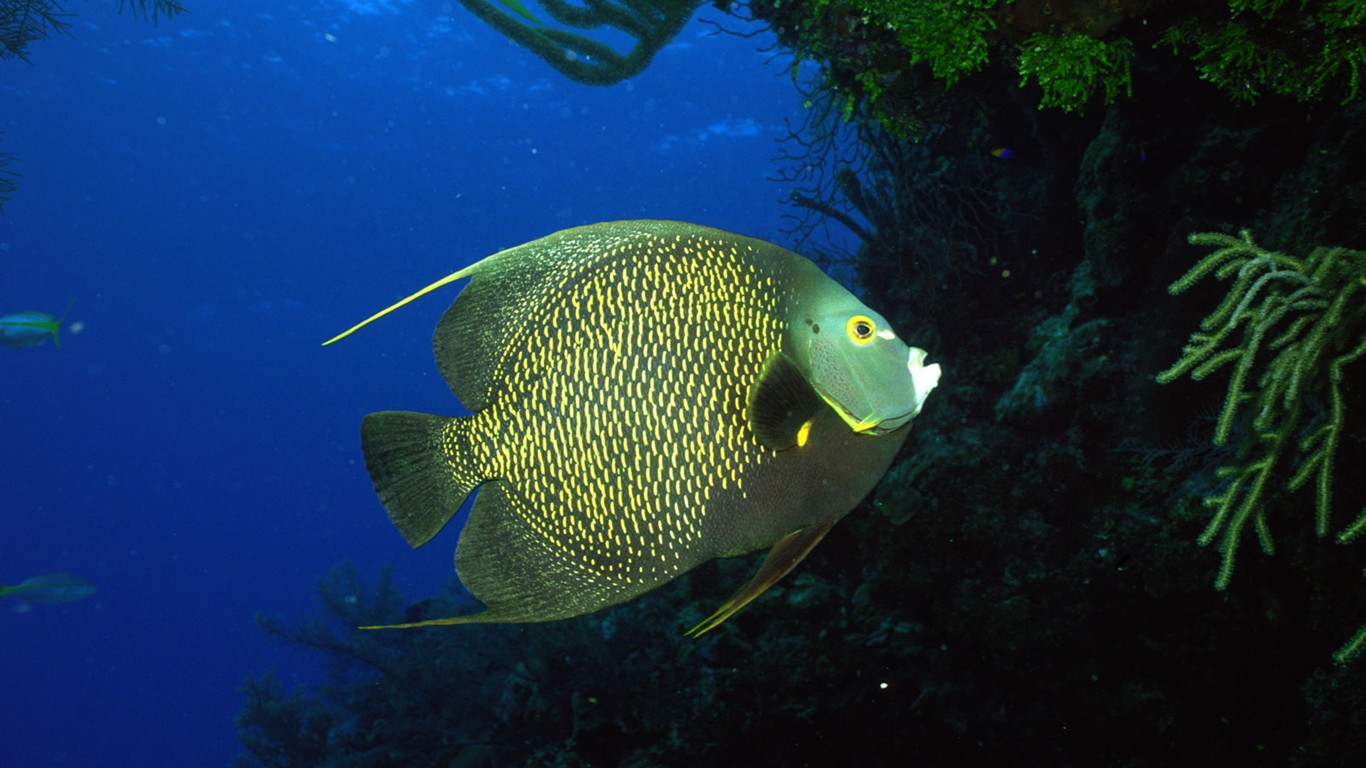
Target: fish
50	588
28	329
645	396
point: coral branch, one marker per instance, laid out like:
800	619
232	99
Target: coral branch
651	24
1313	312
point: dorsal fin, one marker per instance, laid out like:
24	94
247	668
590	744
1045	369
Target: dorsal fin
505	290
447	280
512	291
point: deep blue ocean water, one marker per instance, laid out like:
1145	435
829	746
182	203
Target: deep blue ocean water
218	194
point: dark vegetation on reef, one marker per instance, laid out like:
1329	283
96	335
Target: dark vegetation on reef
1028	585
25	21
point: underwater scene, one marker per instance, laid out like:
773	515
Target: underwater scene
586	383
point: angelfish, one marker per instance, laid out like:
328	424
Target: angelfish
646	396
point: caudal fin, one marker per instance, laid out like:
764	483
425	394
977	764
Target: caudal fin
414	463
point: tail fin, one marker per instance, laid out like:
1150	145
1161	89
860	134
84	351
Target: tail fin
413	462
57	324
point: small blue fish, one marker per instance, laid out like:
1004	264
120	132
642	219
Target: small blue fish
28	329
1003	152
50	588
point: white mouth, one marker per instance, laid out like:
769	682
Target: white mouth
923	377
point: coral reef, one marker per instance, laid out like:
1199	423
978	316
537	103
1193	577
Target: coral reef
1289	327
1070	68
1306	51
1026	584
897	56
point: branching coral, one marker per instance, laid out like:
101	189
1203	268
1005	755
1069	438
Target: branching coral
927	200
1288	327
503	694
9	179
152	10
24	21
651	24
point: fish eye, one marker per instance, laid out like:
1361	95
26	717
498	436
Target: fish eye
861	329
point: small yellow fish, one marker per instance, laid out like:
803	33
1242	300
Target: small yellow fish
27	329
647	396
50	588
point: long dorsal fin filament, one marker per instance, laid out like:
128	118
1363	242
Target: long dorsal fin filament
447	280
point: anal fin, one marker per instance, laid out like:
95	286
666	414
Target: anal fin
784	556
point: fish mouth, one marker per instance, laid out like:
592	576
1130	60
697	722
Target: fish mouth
924	378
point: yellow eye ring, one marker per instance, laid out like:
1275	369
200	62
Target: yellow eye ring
861	329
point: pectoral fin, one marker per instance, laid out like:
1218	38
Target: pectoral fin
782	558
781	404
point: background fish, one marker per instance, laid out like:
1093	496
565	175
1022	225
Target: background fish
647	396
27	329
50	588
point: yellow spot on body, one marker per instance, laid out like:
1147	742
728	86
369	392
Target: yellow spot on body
804	434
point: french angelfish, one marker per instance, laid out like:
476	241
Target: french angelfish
647	396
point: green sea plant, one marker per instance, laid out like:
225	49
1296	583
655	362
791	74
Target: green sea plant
1288	328
897	59
1070	68
1314	50
650	24
948	37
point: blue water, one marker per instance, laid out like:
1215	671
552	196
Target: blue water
219	194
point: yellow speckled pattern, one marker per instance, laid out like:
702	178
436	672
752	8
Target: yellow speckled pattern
609	369
620	415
